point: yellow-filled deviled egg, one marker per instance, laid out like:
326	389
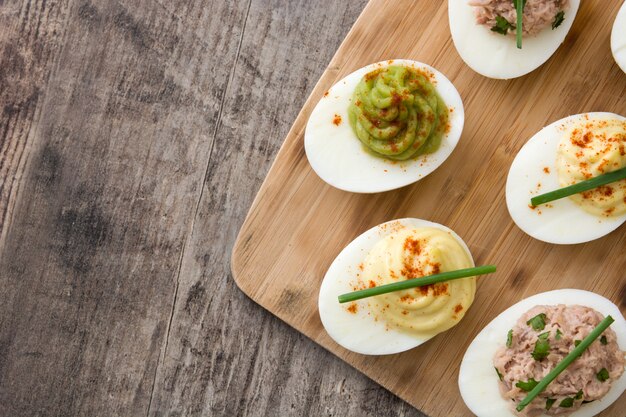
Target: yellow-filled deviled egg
524	343
566	152
394	322
484	34
618	38
384	126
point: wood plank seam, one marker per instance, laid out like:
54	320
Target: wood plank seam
193	220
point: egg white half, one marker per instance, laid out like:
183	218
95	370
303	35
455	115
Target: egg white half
337	155
360	332
497	56
618	38
478	381
563	222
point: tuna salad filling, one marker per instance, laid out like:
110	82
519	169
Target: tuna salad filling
500	15
540	339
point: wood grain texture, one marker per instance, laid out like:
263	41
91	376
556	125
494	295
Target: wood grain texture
133	136
92	251
285	245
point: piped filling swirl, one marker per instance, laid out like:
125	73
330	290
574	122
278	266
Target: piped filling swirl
397	113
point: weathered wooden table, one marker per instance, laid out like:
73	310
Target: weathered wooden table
133	137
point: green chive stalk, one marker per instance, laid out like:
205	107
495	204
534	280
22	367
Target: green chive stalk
417	282
579	187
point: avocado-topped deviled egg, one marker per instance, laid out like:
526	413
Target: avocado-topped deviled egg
384	126
558	353
570	152
486	35
393	252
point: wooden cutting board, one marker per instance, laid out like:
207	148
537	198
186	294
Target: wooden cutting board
298	223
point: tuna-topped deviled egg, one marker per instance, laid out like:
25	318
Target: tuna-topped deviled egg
384	126
399	251
562	352
552	332
580	150
485	33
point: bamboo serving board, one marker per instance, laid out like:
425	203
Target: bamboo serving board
298	224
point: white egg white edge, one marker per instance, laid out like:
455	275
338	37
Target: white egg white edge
337	155
359	332
478	381
618	38
565	222
497	56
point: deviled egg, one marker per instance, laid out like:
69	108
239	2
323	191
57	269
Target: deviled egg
524	343
563	153
394	322
618	38
484	31
384	126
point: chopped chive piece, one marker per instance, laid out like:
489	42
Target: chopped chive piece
603	375
416	282
519	10
542	347
579	187
538	322
528	385
499	374
558	334
579	395
571	357
587	402
567	402
509	338
558	19
577	342
502	26
549	403
603	340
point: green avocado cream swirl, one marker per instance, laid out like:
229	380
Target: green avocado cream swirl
397	113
